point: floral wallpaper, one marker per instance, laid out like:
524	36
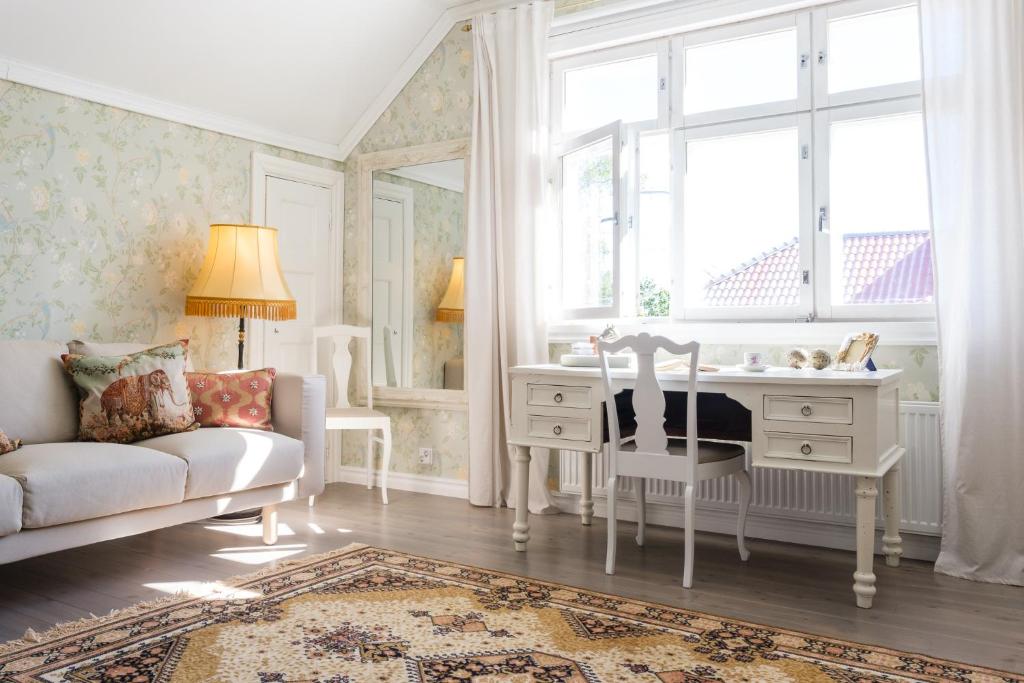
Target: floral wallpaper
104	217
438	235
432	107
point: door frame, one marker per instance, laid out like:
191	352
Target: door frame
266	166
406	197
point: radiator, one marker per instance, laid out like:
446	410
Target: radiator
806	496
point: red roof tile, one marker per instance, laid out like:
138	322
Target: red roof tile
892	267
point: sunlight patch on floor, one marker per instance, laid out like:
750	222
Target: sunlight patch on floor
317	529
208	590
249	530
258	554
344	531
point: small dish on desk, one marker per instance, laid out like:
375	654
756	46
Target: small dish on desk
753	368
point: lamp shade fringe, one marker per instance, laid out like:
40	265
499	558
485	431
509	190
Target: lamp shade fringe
240	308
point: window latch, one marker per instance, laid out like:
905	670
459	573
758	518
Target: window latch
821	56
807	277
804	61
823	219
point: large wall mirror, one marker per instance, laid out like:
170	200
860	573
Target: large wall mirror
412	208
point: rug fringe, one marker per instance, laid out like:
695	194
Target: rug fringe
68	628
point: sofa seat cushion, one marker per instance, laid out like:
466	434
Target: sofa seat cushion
228	459
69	482
10	506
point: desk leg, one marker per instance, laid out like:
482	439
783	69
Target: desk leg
892	544
866	489
587	489
521	528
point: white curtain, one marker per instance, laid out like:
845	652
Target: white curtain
504	311
973	63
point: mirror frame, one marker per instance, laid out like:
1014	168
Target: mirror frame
365	166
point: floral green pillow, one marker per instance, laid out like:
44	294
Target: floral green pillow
132	397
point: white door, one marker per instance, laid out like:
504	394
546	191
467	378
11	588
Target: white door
392	279
302	215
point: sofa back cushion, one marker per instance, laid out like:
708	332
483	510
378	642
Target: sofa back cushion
38	402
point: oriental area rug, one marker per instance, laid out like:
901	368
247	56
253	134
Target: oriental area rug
365	614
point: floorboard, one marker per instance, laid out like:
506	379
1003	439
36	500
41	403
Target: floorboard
784	585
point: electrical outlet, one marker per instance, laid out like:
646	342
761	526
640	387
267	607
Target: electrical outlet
426	456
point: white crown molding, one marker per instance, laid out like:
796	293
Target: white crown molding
423	173
45	79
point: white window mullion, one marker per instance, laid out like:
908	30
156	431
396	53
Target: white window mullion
807	226
822	268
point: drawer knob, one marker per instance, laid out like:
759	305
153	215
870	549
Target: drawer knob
806	410
557	430
805	448
558	397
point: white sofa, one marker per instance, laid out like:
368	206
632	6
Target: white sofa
58	493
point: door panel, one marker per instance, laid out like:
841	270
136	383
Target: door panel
389	273
302	215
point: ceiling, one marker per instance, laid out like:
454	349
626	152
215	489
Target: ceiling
302	73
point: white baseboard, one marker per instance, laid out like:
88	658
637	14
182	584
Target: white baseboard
401	481
769	527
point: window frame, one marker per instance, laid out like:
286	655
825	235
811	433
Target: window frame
824	118
852	8
680	136
813	109
597	58
801	22
614	131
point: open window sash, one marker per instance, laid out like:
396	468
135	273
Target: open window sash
592	202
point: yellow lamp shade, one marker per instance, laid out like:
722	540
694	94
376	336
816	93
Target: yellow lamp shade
452	308
241	276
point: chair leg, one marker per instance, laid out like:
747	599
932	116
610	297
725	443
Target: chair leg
369	459
641	509
385	464
609	561
270	524
743	479
688	498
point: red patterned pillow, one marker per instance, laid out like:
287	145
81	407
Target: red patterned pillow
237	399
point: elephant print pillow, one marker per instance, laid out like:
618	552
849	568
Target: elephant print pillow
132	397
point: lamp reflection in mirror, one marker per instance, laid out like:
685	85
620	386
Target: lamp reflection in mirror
452	309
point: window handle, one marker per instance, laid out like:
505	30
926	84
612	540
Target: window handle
823	219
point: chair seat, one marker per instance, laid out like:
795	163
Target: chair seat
707	451
356	417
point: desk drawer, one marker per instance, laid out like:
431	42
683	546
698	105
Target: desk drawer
813	447
809	409
558	428
557	396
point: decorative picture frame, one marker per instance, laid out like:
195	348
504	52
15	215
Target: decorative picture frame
855	353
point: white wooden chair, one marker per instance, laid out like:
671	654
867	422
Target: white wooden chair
651	454
345	416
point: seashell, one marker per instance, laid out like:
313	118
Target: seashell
797	358
820	359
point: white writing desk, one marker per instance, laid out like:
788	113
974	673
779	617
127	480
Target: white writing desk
812	420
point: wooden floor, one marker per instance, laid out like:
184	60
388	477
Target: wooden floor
790	586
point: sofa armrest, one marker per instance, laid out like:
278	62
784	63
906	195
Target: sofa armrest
299	410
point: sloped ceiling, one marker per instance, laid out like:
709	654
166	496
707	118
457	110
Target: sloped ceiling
295	72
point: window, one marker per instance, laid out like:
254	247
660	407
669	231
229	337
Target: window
589	178
786	180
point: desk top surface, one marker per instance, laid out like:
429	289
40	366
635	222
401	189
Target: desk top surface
728	374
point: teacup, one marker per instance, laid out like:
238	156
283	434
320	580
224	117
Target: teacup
753	358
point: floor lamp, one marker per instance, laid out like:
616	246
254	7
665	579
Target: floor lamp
241	278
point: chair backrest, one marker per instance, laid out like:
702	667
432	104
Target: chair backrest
389	357
648	396
341	359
